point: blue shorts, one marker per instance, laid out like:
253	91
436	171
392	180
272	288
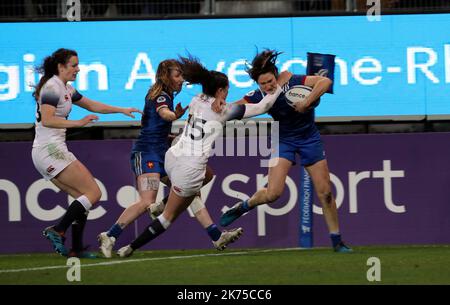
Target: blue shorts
310	150
143	163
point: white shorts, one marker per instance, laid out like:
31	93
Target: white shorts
186	181
51	159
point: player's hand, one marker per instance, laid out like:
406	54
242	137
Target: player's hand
87	119
129	111
304	106
218	104
179	111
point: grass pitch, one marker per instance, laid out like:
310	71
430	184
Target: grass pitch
399	265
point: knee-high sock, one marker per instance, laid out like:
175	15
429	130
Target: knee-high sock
151	232
75	211
77	233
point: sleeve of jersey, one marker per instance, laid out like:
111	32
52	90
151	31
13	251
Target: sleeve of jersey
233	112
50	96
253	97
76	96
298	79
161	102
263	106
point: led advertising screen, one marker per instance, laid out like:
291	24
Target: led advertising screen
395	68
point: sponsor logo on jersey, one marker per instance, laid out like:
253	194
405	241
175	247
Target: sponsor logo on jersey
50	169
161	99
251	93
150	164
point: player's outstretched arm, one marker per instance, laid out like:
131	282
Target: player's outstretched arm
166	114
98	107
263	106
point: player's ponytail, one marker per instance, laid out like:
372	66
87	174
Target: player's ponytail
50	67
195	73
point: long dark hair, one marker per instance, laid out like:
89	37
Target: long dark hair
163	81
195	73
263	62
50	67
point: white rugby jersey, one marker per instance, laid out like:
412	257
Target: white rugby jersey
54	93
204	126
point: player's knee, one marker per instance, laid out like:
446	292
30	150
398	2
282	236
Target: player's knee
325	197
273	196
95	195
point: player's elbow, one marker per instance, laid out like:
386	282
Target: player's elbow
46	122
327	82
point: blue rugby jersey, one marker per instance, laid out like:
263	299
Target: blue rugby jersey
154	129
293	124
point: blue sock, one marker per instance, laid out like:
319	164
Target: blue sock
213	232
244	207
115	231
335	238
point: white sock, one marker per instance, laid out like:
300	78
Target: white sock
164	222
85	202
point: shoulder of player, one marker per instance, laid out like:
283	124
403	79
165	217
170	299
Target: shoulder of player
162	98
297	79
254	95
51	87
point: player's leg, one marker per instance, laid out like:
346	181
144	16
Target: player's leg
147	185
186	183
220	239
320	177
77	226
275	188
66	189
77	179
156	209
148	173
176	204
313	156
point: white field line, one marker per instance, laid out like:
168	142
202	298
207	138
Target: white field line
116	262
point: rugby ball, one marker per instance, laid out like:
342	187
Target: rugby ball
298	94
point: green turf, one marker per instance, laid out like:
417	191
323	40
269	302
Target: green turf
399	265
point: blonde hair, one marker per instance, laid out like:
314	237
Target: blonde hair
163	80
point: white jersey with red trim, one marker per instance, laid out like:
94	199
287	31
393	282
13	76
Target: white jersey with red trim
204	126
202	129
60	95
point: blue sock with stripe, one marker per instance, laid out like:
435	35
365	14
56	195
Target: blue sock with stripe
335	238
244	207
115	231
213	232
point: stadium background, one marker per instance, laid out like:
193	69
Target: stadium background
386	132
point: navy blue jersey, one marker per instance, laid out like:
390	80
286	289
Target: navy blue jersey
154	129
293	124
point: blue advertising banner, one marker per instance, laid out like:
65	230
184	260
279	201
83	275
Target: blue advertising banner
390	68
